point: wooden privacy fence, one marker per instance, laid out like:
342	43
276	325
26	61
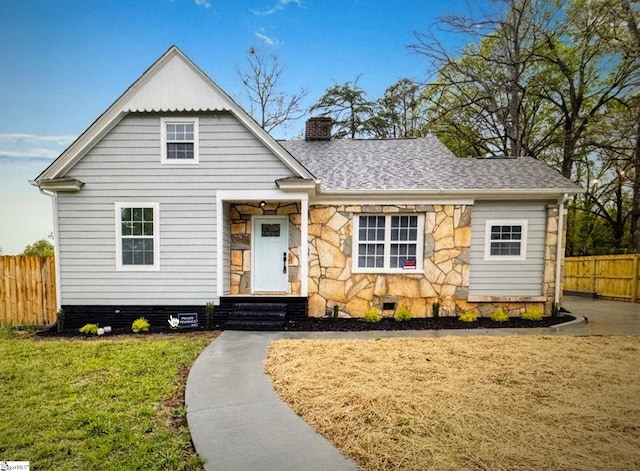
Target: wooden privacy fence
27	290
608	276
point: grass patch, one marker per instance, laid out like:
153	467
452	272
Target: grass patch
474	403
107	404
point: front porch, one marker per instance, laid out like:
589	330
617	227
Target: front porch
265	240
264	268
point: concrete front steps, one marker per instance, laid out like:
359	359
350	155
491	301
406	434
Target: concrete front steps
257	316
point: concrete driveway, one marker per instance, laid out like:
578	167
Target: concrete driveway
603	317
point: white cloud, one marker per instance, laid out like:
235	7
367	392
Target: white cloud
266	39
33	146
280	5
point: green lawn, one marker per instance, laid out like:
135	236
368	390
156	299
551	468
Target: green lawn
108	404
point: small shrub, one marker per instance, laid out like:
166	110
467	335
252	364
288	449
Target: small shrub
532	315
372	315
140	325
499	315
468	316
89	329
60	321
435	309
402	314
209	314
179	413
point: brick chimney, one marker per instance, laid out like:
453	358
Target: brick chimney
318	129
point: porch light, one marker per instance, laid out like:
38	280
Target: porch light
263	204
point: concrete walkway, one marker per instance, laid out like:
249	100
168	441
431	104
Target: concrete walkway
238	422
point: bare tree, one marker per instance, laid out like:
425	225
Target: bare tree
554	79
268	104
491	81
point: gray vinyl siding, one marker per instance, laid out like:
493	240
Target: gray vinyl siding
125	167
508	278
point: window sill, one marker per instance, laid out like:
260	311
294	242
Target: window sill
505	258
143	268
180	162
506	299
389	271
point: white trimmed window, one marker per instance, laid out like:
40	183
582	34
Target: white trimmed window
505	240
137	244
388	243
179	140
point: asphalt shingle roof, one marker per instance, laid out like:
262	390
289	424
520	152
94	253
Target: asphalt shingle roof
417	164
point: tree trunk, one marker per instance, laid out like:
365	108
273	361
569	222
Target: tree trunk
569	149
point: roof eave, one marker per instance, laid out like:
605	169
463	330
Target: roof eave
273	145
59	185
296	184
475	193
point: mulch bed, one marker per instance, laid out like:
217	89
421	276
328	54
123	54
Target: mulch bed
349	325
328	324
156	332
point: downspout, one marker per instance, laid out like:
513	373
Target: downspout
56	252
559	254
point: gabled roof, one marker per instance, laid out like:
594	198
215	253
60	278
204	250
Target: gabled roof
421	165
156	90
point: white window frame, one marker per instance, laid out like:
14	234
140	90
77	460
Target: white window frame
196	140
387	245
523	223
119	206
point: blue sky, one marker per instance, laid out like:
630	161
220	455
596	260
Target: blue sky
64	63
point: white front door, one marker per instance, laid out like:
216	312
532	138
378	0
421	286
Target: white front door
270	254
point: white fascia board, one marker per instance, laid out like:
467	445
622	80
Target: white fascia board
263	136
378	199
128	102
296	184
442	195
259	195
538	193
78	149
101	126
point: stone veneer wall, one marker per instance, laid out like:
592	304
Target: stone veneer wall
550	256
446	262
241	224
447	239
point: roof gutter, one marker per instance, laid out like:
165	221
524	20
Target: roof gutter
506	193
56	248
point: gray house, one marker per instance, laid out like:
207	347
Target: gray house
174	197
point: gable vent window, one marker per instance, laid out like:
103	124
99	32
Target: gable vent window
179	140
505	240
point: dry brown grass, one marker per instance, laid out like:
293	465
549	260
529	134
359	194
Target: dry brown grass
473	403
